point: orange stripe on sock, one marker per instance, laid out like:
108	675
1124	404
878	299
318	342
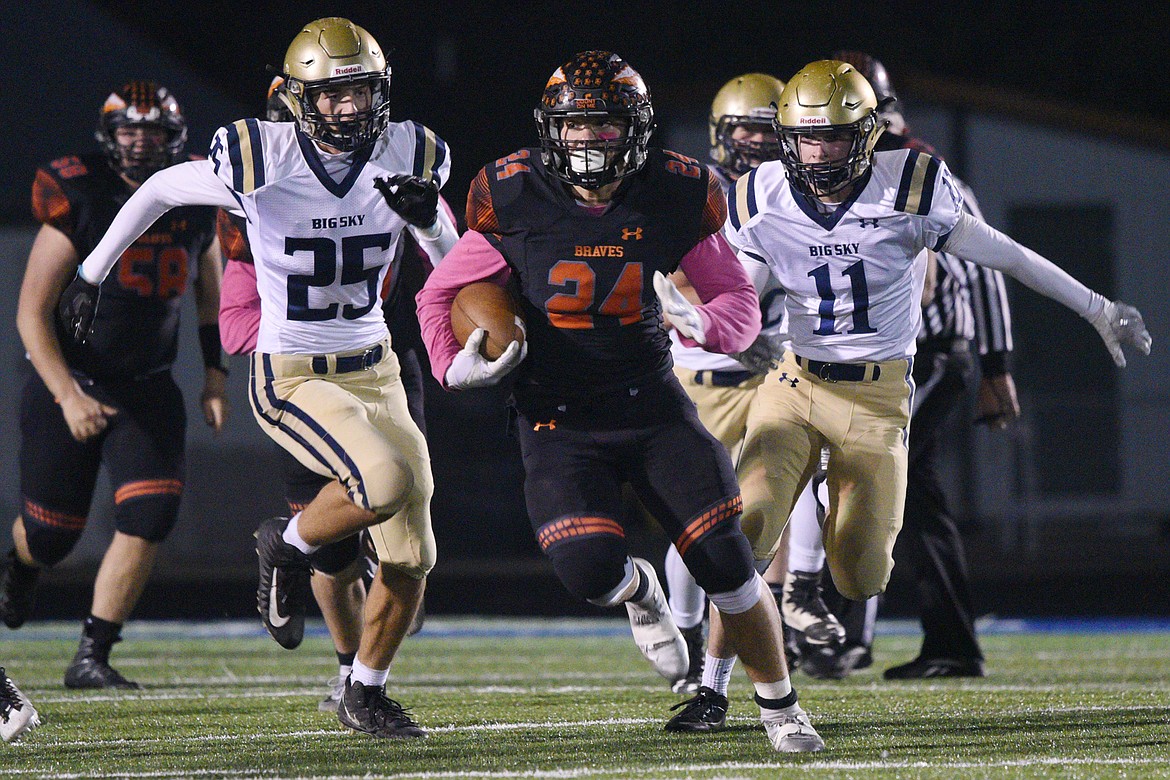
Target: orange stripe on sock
569	527
46	516
706	521
148	487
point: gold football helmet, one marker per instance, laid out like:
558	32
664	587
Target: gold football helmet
334	52
748	100
827	98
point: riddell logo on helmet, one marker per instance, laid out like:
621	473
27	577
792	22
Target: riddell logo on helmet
345	70
814	120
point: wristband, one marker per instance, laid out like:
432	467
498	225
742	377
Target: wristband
210	345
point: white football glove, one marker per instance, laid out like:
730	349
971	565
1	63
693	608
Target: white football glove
1121	324
678	311
471	369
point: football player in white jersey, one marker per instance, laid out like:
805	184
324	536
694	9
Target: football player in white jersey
839	227
723	386
326	199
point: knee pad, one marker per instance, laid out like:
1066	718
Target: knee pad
741	599
721	559
149	516
332	559
591	566
389	491
49	544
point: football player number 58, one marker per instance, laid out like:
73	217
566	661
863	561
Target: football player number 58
353	271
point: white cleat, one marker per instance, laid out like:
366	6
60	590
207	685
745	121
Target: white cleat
794	734
654	629
17	714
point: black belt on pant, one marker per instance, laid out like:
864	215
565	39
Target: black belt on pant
348	363
722	378
838	372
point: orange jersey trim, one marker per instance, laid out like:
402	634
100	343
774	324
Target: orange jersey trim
481	214
715	209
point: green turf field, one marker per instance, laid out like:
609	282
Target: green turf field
574	699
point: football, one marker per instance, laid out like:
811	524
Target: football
491	307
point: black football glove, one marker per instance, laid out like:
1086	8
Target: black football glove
414	198
76	309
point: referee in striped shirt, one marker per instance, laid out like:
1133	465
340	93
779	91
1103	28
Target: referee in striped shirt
968	308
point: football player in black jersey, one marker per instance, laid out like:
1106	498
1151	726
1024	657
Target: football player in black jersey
584	230
111	400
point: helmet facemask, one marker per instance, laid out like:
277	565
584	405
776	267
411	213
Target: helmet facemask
741	155
596	162
344	132
829	177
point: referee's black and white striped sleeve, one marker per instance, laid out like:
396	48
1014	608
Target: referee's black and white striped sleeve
989	306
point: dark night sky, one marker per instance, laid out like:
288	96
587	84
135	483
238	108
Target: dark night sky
473	70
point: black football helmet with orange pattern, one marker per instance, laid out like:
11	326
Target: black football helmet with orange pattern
595	84
141	102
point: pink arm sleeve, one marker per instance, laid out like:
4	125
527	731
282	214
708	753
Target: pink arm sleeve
239	308
731	307
472	259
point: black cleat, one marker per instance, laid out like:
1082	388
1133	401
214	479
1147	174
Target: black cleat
18	591
91	669
284	584
814	636
367	709
706	712
697	657
923	668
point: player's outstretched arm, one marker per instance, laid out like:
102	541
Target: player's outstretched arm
1118	323
186	184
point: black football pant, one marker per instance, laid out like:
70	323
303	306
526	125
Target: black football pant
929	539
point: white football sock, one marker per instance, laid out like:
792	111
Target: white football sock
292	535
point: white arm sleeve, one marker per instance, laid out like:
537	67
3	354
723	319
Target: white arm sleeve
187	184
438	239
973	239
758	271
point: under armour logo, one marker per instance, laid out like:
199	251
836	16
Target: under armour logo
784	378
873	223
551	425
634	233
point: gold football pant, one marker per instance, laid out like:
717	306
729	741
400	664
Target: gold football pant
723	409
354	426
865	425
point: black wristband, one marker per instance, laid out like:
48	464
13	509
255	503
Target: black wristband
993	364
210	345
